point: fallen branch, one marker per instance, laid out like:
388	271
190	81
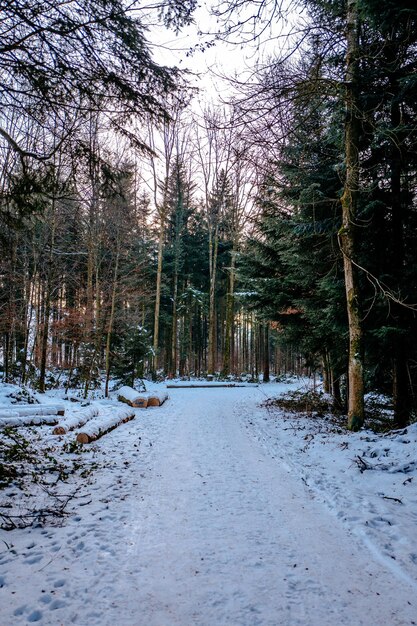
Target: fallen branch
362	464
23	520
394	499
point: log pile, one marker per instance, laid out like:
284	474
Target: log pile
29	420
209	385
132	397
30	415
141	400
157	398
104	423
76	419
24	410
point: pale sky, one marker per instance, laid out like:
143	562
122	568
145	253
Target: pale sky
221	59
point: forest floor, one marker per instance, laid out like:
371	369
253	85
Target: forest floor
214	510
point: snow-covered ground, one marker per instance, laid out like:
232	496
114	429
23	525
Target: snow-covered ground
212	510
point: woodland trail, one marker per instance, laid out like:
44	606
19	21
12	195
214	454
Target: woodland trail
199	525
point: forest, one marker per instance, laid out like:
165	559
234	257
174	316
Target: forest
146	232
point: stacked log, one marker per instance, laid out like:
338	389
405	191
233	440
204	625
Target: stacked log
104	423
24	410
208	385
132	397
28	420
76	419
157	398
30	415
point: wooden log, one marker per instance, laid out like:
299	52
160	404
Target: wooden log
76	419
103	424
59	430
25	410
133	398
83	438
140	403
157	398
213	385
28	420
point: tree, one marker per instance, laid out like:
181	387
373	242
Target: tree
347	233
179	204
91	55
61	62
161	170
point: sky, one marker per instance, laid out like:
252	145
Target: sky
214	65
209	66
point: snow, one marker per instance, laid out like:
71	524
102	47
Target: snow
212	510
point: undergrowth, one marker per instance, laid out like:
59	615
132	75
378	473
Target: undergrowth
305	403
38	480
379	415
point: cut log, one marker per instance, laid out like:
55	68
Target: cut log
132	397
104	423
209	385
83	438
157	398
59	430
76	419
24	410
28	420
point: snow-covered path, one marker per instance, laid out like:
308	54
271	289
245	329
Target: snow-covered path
199	525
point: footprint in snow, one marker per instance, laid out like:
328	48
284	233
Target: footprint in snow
377	522
57	604
35	616
56	548
33	559
20	610
46	598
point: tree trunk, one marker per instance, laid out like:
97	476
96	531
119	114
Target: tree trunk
111	321
158	296
174	331
230	311
402	396
213	249
266	377
348	232
47	304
